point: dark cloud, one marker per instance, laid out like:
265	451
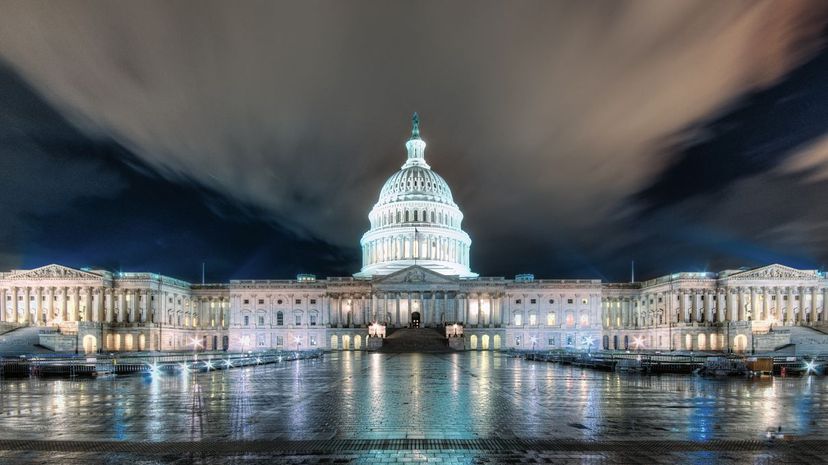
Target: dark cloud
554	122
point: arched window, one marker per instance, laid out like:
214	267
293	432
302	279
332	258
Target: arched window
416	215
433	217
398	216
280	318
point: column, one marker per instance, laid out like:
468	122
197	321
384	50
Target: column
813	305
740	301
708	306
38	306
824	303
27	305
780	316
765	303
682	306
754	308
397	300
800	314
64	304
728	302
789	318
108	305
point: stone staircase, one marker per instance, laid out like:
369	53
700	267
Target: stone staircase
415	340
21	341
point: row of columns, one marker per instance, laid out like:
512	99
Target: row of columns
752	303
406	247
37	305
395	308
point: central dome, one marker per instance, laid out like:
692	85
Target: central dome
415	221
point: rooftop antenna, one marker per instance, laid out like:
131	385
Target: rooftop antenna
632	271
202	272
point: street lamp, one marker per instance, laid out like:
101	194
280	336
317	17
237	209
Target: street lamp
298	341
194	342
534	341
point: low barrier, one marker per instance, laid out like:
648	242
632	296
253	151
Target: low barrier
153	364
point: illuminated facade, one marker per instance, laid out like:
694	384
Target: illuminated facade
416	273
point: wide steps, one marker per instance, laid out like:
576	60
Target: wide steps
21	341
405	340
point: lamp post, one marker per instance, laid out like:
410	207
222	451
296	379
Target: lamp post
534	341
298	341
194	342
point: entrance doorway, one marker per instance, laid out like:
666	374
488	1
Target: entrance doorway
415	320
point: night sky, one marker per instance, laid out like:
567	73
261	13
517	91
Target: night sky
255	136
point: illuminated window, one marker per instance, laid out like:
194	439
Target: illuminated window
550	319
518	319
584	320
313	340
533	320
517	340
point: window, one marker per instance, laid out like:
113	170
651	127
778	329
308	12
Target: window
533	301
584	320
518	319
280	340
280	318
569	301
313	340
298	301
660	299
261	320
550	341
518	301
585	301
246	320
533	320
246	301
551	301
313	301
550	319
260	340
279	301
313	320
261	301
298	319
517	340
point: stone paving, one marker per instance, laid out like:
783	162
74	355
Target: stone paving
400	408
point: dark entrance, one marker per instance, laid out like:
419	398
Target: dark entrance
415	319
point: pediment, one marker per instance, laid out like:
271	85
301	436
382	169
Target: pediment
775	271
52	272
416	275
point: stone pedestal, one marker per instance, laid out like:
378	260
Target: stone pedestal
373	343
457	343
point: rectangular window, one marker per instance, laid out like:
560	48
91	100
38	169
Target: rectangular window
533	301
550	341
569	301
298	320
261	301
313	340
260	341
261	321
246	301
280	319
517	301
246	320
298	301
313	320
518	319
280	340
533	320
550	319
313	301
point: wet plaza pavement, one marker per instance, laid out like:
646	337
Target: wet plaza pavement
382	408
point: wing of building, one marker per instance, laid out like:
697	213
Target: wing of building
416	273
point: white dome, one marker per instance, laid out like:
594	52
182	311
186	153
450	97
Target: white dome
415	222
415	183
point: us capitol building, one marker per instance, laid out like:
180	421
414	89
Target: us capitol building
416	273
